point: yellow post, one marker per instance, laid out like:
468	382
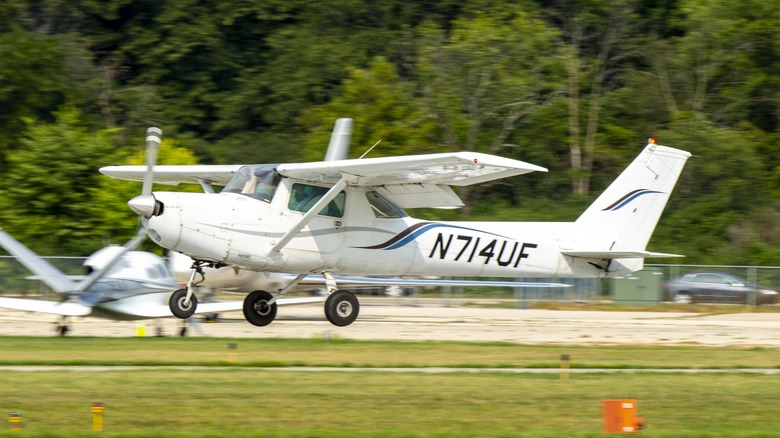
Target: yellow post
97	416
15	421
232	352
565	366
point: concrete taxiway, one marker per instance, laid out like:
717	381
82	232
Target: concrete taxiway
422	319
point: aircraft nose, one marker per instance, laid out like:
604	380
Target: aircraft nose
146	206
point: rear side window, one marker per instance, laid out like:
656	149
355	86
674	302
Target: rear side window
383	207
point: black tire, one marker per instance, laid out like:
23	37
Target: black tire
342	308
256	308
176	303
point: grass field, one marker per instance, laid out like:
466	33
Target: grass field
241	399
340	352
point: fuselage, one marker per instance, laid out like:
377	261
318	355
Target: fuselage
358	233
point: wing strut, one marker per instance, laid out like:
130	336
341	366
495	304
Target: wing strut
314	211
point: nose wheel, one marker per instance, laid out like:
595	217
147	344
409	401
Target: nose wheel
342	308
178	306
183	302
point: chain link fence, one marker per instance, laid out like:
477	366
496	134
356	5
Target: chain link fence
16	280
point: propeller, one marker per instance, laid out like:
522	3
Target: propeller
142	202
145	205
153	139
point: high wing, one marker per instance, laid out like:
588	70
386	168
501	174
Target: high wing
411	181
452	168
175	175
414	181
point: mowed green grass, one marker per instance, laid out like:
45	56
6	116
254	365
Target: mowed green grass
252	401
340	352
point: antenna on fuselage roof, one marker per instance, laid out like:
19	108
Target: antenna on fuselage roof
369	149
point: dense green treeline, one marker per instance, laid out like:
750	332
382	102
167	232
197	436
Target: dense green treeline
575	86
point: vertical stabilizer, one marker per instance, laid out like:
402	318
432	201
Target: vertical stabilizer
53	277
624	216
338	149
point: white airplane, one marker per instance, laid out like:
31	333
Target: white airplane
344	217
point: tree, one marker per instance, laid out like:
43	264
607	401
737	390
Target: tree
593	39
701	70
35	79
58	202
479	81
51	175
716	193
383	109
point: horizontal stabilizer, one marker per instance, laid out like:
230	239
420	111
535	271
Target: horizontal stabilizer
618	254
52	307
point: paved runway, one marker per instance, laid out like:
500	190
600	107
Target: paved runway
420	319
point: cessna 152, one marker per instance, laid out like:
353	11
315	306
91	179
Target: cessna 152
344	217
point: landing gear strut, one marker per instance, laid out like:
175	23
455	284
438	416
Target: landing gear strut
183	302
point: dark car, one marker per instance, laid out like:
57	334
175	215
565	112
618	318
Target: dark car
716	287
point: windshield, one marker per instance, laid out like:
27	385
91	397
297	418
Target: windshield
258	181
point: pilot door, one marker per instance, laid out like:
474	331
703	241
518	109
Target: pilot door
324	234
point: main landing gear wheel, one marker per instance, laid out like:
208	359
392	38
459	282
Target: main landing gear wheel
176	303
257	310
341	308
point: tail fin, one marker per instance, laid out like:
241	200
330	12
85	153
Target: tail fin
50	275
338	149
620	222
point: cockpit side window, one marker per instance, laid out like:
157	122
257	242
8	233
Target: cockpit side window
383	207
259	182
304	196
